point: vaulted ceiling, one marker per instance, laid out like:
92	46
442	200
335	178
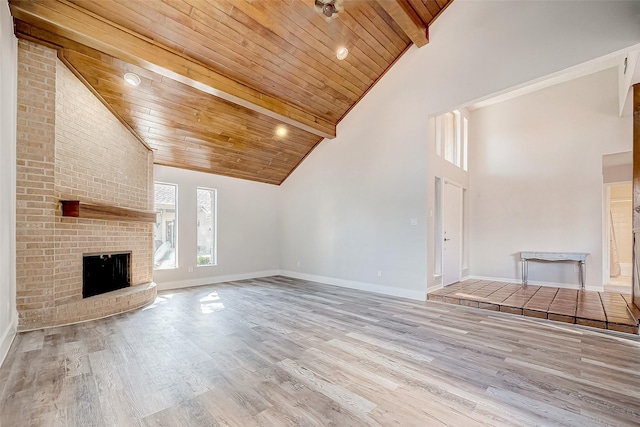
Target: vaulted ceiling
218	78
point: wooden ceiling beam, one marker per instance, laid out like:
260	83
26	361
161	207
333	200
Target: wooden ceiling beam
407	18
77	24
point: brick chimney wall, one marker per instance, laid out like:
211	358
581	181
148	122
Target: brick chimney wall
70	147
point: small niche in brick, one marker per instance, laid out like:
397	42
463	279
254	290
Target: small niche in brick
105	273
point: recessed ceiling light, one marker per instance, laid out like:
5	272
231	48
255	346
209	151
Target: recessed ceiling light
132	79
342	53
281	131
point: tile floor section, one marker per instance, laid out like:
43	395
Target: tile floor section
605	310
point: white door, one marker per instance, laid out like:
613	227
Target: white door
452	233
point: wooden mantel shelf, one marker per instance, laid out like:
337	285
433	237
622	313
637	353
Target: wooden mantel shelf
78	209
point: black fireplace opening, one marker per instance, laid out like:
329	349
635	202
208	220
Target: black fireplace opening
105	273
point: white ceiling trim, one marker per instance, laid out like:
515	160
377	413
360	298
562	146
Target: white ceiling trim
615	59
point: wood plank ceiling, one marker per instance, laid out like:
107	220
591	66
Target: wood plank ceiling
218	77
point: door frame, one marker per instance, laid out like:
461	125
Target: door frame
606	229
606	232
461	230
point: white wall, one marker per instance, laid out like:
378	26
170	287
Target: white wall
437	166
247	229
536	177
345	212
8	110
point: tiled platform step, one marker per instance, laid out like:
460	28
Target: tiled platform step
605	310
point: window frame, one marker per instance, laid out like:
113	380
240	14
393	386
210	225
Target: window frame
452	138
175	225
214	226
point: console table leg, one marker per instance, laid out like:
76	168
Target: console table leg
579	257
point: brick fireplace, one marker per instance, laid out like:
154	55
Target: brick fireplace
70	147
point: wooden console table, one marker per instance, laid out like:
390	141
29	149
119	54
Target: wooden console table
579	257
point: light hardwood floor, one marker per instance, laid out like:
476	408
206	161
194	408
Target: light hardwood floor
281	352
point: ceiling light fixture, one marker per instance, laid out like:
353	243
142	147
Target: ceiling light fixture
329	8
342	53
132	79
281	131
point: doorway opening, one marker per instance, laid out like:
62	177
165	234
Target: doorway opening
450	233
620	241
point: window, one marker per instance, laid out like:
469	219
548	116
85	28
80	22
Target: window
166	229
206	226
465	142
451	138
450	141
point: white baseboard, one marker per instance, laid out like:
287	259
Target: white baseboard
361	286
439	286
7	338
434	288
626	269
215	279
539	283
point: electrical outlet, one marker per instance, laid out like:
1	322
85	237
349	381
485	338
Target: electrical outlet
414	221
379	273
298	264
191	269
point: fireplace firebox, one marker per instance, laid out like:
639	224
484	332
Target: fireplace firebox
105	273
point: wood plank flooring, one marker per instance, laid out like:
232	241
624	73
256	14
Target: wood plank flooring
284	352
605	310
